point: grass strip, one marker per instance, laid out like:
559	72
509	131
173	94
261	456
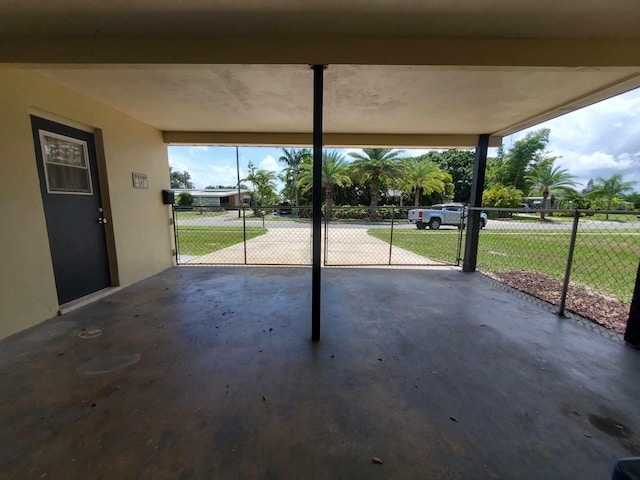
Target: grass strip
200	240
603	261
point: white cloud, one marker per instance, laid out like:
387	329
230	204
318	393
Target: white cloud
219	175
581	163
596	141
416	152
270	163
197	150
598	164
347	151
406	152
204	168
611	126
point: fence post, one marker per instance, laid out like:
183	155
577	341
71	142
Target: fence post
327	222
463	216
175	233
475	200
393	214
567	272
244	232
632	332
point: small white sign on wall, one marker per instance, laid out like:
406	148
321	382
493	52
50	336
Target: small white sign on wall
140	180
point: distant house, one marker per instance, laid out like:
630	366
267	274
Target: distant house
532	202
536	202
216	197
624	205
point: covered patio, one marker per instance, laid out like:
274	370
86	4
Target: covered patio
117	83
199	372
206	372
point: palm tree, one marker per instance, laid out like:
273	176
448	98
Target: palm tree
263	183
293	159
335	171
549	179
612	187
424	177
374	166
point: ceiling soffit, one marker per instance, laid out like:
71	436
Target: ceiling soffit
358	100
363	18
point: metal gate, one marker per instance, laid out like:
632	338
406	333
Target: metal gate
383	236
282	236
275	235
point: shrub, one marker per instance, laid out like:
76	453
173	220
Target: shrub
185	199
501	196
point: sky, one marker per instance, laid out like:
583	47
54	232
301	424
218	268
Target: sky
596	141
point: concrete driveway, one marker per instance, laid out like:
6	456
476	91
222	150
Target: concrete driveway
289	243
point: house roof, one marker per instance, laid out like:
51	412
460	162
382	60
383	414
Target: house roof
430	73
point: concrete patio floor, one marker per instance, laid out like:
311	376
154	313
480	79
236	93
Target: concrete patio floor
208	372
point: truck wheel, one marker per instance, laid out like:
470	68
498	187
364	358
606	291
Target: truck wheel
434	223
420	226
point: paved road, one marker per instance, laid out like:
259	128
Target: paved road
274	222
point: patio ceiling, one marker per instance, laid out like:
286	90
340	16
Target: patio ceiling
433	73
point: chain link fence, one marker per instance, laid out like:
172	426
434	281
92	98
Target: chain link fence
583	261
363	235
282	236
246	236
580	260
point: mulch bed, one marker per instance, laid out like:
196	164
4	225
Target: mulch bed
600	308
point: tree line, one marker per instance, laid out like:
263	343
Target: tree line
384	176
372	177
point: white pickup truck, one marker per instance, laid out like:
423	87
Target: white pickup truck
445	214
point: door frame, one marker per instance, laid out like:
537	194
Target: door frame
106	205
103	182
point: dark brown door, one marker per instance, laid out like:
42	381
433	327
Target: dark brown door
67	166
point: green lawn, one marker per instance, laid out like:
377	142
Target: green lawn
200	240
615	217
439	245
535	217
604	261
189	215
